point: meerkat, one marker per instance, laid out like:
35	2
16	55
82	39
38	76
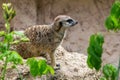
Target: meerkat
46	38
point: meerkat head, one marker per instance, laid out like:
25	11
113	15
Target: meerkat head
63	21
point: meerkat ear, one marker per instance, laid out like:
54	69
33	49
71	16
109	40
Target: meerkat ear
60	24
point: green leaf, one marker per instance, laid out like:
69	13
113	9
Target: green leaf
39	67
2	56
7	26
90	50
92	38
15	58
24	39
100	39
89	62
2	33
110	71
103	78
9	12
98	48
8	37
113	20
3	47
42	66
15	42
115	10
95	61
29	61
51	70
109	24
95	50
34	68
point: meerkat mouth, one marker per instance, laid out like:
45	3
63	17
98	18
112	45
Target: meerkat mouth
74	23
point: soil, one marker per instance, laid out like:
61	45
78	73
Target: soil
72	67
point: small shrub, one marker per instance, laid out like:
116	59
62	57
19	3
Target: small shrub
95	51
39	67
7	55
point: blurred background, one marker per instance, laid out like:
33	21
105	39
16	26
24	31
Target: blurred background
90	14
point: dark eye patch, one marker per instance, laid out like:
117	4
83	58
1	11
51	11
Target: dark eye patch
70	20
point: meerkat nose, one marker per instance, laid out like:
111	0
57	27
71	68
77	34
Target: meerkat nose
76	22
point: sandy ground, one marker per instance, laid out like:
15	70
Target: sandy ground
72	67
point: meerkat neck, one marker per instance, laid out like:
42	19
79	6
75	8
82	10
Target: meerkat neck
58	29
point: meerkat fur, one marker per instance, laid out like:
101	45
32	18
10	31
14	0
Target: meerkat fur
46	38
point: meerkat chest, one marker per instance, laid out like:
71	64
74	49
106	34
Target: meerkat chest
49	41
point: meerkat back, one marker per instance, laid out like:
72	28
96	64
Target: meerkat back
40	34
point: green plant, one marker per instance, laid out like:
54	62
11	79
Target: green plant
7	55
113	23
94	60
109	72
39	67
113	20
95	50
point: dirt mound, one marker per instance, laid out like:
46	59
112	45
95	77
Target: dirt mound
73	67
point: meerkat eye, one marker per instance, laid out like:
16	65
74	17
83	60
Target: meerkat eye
70	20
